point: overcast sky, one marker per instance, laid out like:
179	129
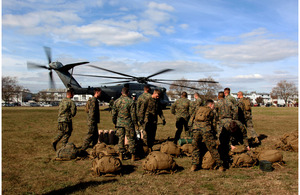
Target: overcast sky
247	45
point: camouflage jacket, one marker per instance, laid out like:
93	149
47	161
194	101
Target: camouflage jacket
94	112
231	99
181	108
205	125
67	110
149	110
123	113
195	104
244	114
142	98
225	109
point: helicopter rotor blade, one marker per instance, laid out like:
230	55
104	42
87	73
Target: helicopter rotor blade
109	77
160	72
118	82
48	54
126	75
177	85
70	66
196	81
52	85
31	65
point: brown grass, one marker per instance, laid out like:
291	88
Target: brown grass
28	168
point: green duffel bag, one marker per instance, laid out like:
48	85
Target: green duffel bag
67	152
184	141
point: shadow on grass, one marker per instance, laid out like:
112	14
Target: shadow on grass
127	169
78	187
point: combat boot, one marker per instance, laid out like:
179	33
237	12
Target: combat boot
194	168
221	169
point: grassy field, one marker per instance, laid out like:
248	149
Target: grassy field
28	166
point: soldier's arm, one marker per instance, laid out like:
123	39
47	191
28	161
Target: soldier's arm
173	108
142	111
73	109
114	113
191	121
133	114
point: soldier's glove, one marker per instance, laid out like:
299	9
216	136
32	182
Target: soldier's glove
164	122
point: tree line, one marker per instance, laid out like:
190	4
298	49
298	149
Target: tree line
284	89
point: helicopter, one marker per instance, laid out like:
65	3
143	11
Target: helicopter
135	84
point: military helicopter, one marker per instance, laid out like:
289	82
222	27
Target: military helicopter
107	91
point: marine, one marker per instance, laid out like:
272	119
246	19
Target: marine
203	138
124	118
227	118
181	109
196	103
147	116
245	116
93	118
67	110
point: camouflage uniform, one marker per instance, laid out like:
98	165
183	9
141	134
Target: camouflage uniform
227	113
231	99
245	116
141	99
195	104
67	110
93	118
181	109
148	118
203	138
124	118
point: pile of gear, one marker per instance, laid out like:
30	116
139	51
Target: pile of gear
288	142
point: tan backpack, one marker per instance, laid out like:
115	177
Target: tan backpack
202	113
187	149
170	148
157	162
208	162
271	155
247	159
106	165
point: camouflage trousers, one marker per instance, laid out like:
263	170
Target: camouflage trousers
92	136
250	130
64	132
130	134
180	123
204	140
149	133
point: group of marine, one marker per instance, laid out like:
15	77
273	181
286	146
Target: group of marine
214	126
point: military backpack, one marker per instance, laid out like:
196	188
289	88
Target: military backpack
202	114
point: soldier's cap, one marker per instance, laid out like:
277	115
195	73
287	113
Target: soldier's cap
133	95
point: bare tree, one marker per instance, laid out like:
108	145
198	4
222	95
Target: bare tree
177	86
284	90
208	90
259	100
10	88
